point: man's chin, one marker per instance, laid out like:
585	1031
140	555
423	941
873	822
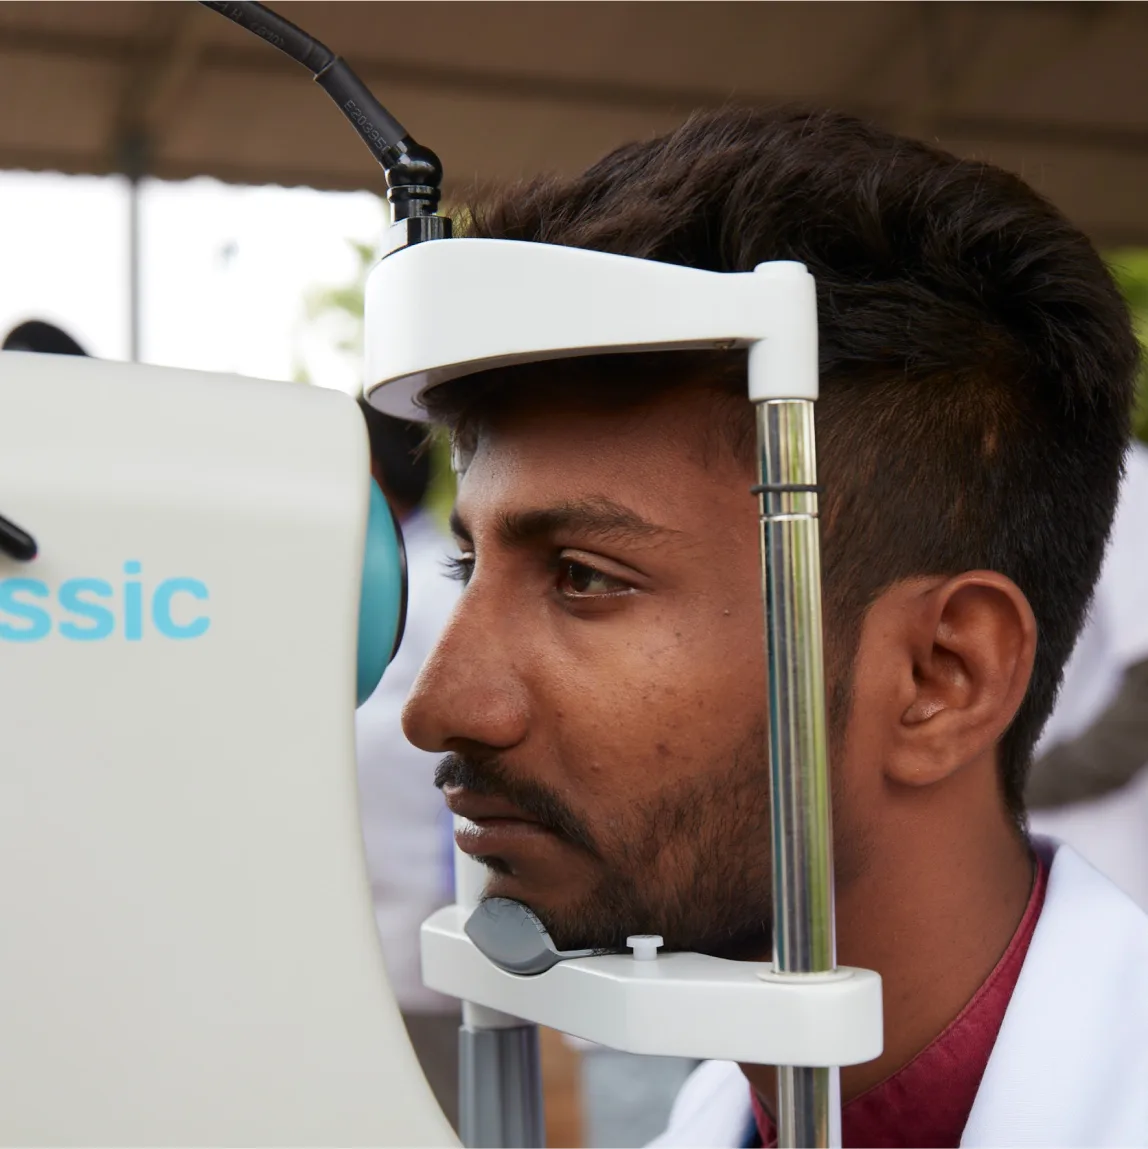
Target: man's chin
598	926
565	910
546	903
582	909
550	901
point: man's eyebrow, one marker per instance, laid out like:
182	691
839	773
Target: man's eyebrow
598	516
458	527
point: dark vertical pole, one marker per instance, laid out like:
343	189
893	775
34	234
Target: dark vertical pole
134	259
134	152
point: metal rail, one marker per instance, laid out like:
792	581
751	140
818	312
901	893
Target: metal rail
803	922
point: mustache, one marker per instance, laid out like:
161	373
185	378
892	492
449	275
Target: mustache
488	775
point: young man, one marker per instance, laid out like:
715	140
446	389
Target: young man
600	688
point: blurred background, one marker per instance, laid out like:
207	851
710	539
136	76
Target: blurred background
174	191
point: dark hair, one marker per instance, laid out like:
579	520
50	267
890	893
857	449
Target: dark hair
36	335
397	454
977	360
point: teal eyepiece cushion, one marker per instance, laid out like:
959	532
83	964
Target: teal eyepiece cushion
383	598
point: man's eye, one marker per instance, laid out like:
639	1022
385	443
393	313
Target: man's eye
579	580
460	568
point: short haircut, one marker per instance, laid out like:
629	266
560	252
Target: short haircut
397	453
977	359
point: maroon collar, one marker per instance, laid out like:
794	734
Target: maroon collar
926	1103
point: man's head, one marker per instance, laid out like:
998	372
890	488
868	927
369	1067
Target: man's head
603	673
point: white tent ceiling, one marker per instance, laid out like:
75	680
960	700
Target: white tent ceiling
1055	91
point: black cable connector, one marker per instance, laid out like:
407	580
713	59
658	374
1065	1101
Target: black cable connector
414	174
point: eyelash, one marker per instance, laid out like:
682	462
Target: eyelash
461	567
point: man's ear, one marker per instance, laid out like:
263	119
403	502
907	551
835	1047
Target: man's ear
968	645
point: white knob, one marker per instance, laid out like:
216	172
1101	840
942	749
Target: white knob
645	946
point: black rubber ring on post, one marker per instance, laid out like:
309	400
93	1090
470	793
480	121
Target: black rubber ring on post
785	488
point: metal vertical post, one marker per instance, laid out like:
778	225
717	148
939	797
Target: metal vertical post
500	1085
803	921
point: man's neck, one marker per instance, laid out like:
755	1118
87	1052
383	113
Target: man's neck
933	916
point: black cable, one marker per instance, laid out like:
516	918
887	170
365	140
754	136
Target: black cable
279	33
414	174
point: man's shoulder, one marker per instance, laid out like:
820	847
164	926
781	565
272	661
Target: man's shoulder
1072	1055
712	1109
1071	1058
1084	906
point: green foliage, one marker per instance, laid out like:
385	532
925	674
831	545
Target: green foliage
1130	267
344	302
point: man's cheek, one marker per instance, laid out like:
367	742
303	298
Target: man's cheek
643	703
616	761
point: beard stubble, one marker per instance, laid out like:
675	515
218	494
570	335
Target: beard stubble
691	862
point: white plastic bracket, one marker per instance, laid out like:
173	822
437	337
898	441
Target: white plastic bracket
449	308
677	1005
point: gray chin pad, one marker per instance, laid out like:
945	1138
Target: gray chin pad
507	933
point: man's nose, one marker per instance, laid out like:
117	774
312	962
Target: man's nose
468	690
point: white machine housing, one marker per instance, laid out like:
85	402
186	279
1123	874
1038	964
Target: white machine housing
188	953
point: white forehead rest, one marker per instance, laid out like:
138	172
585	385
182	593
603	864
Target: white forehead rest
444	309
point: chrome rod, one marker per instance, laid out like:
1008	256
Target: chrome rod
500	1102
803	924
804	1100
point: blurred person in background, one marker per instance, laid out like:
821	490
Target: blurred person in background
1089	785
406	830
36	335
626	1098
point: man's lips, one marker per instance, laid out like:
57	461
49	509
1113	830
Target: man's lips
497	826
483	807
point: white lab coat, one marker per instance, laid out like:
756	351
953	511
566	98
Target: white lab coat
1110	831
406	827
1070	1064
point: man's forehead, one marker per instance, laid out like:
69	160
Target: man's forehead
590	431
646	462
574	450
